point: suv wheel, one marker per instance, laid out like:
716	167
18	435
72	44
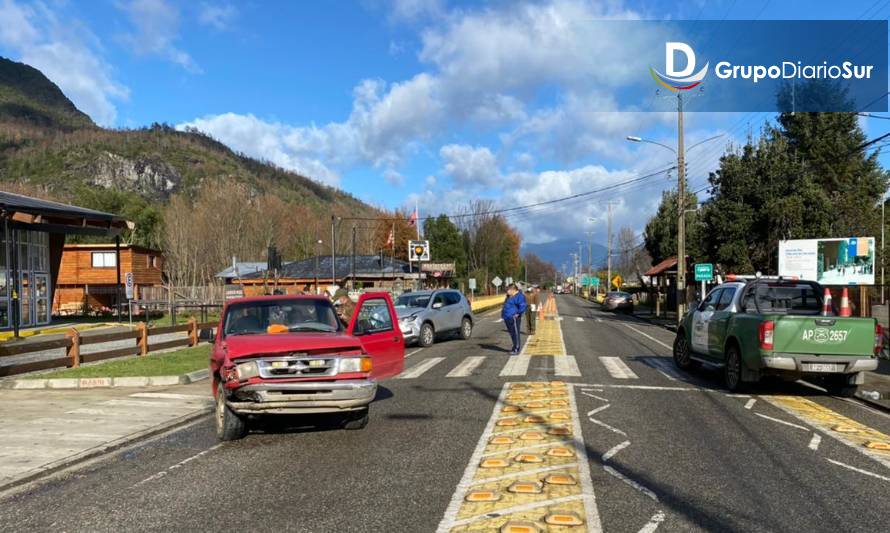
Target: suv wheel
427	335
681	352
466	328
732	370
229	426
356	419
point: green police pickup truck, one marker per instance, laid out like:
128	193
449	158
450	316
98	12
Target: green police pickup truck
758	326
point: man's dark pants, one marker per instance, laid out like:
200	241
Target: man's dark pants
530	320
513	327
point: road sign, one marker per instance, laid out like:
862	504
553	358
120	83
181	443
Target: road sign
129	285
704	272
497	281
595	282
418	251
472	283
617	281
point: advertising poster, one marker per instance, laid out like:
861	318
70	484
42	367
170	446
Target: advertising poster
849	261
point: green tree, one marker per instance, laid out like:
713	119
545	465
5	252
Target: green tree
660	235
446	242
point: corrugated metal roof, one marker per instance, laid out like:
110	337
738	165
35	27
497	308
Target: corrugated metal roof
670	262
17	202
242	269
365	266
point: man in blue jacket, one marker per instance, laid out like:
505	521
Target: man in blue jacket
514	307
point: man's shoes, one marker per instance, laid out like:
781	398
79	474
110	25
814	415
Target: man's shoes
514	352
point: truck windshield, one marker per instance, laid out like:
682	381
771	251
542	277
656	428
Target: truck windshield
298	314
786	298
413	300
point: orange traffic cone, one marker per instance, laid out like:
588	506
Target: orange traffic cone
845	304
826	303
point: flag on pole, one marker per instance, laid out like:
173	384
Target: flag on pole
412	220
391	239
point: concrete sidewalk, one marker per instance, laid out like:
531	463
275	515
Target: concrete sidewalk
46	430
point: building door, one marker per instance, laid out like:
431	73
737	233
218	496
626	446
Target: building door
42	310
26	297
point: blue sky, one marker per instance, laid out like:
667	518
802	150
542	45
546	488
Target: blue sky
400	101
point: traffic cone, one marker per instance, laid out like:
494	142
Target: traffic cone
826	303
845	304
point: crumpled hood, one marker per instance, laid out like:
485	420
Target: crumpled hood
408	311
250	345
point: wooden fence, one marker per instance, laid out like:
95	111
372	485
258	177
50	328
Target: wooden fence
71	344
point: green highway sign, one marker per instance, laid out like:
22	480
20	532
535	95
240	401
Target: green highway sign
704	272
589	281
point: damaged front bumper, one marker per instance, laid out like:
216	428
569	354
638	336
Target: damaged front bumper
304	397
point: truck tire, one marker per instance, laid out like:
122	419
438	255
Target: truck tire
681	352
732	370
356	419
229	426
466	328
427	335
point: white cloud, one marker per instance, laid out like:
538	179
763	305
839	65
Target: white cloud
156	30
415	10
218	16
264	140
66	53
470	166
393	177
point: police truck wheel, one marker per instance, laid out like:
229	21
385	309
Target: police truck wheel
229	426
681	352
427	335
466	328
732	371
356	419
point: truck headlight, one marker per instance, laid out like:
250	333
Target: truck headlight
247	370
355	364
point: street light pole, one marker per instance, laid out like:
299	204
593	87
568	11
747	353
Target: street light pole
681	208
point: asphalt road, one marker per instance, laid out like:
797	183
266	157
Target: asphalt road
665	450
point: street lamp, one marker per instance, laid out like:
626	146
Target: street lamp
681	200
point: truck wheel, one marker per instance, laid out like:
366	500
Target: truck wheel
427	335
229	426
466	328
356	419
681	353
732	370
838	386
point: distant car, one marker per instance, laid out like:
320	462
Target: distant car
425	315
619	301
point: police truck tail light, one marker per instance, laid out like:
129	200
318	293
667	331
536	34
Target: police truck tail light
765	334
879	338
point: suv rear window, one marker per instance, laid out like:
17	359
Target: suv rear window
787	298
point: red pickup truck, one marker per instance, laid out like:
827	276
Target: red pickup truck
282	355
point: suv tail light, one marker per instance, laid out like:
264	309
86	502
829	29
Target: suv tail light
765	334
879	338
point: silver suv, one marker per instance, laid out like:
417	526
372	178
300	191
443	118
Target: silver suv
423	315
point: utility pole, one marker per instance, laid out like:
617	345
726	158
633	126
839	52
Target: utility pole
352	278
333	251
681	212
609	256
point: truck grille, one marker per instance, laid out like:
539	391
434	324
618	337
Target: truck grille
291	367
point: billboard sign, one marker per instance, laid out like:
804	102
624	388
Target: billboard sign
848	261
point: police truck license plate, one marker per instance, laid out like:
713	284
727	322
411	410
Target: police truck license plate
823	367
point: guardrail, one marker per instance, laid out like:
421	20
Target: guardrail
73	340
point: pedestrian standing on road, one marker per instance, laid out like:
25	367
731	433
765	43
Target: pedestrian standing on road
514	306
534	301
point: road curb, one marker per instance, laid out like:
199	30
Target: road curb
103	449
105	382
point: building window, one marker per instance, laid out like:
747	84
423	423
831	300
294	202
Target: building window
151	261
104	260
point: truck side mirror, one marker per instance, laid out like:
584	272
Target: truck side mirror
205	335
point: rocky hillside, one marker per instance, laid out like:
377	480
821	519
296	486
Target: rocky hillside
51	148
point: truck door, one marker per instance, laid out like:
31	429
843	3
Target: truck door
700	321
375	324
719	322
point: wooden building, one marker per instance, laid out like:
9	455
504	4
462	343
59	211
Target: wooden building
87	279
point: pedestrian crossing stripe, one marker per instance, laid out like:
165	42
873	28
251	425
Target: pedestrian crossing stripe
516	365
617	368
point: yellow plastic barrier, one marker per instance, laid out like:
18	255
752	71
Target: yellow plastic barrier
483	303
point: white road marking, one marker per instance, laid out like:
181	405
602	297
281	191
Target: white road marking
650	337
579	319
639	387
589	498
560	318
598	410
730	395
630	482
418	369
521	508
412	353
750	403
664	368
861	471
499	320
599	319
139	403
615	449
566	365
607	426
517	365
653	523
815	441
168	396
585	393
617	369
783	422
466	367
185	461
